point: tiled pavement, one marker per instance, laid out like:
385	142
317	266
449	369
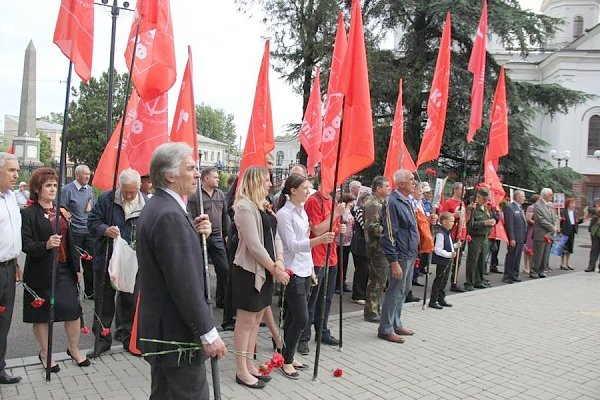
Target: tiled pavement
533	340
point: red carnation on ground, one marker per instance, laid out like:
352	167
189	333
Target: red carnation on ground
2	309
105	332
86	330
338	372
38	302
431	172
276	361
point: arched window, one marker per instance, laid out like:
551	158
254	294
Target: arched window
577	26
212	156
279	158
594	134
218	156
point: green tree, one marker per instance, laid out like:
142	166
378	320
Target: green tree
54	117
86	136
45	149
214	123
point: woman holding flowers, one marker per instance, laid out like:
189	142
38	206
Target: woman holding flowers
293	228
258	262
39	243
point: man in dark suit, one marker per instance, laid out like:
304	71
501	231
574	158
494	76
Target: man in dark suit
515	225
172	303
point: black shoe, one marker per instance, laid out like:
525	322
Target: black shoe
457	289
480	286
412	299
228	326
495	271
533	276
468	288
516	280
290	375
417	284
541	275
264	378
444	303
507	280
591	269
6	379
330	340
435	305
102	348
84	363
258	385
303	348
53	368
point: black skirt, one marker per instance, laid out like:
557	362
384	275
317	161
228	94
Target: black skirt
245	295
66	305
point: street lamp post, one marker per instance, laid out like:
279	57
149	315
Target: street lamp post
566	155
597	154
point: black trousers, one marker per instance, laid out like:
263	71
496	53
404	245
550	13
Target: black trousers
115	305
512	262
438	289
594	251
228	310
218	255
342	266
494	248
7	299
295	317
187	381
361	277
315	302
85	241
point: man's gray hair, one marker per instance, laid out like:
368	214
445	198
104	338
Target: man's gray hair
129	176
545	191
354	184
6	156
401	175
517	193
167	159
81	168
456	186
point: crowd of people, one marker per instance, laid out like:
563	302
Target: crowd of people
295	244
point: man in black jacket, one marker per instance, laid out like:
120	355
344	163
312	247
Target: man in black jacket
172	304
515	225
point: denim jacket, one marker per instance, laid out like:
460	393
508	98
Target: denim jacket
400	237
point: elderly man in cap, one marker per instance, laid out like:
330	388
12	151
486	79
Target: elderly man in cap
480	219
22	195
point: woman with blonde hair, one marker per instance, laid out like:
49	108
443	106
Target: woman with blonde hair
258	262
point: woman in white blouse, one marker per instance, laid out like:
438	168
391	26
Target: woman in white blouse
293	229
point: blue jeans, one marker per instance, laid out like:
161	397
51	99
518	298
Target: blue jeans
391	309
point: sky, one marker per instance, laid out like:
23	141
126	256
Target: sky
227	49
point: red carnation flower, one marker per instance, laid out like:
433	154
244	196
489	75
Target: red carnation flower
265	369
37	303
530	252
468	238
547	239
2	309
431	172
105	332
417	262
338	372
86	330
289	272
276	361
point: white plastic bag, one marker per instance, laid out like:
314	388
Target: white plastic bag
123	266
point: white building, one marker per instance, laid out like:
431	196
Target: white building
214	153
571	59
286	152
50	129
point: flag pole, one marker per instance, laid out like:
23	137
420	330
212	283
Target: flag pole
342	281
319	332
456	265
57	215
99	297
214	363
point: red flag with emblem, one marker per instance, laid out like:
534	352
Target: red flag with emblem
184	123
477	68
438	100
154	70
74	34
397	154
105	171
260	139
333	108
498	142
11	149
312	126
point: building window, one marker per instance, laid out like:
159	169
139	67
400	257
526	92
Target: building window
298	158
212	156
594	135
577	26
218	156
279	158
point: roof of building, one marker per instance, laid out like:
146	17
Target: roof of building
207	140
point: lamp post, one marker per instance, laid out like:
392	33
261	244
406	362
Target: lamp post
566	155
597	154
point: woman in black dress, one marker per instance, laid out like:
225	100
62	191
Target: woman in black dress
258	262
569	222
38	243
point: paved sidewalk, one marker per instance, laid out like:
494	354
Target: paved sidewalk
533	340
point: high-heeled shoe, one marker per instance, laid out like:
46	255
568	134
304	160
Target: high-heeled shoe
54	368
275	348
84	363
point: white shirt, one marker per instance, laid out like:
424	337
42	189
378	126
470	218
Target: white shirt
212	335
439	246
293	229
571	214
10	227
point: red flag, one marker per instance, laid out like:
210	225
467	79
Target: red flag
11	149
260	139
133	341
154	69
357	148
312	126
438	100
397	154
498	143
148	130
477	68
104	174
333	108
490	177
184	124
74	34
